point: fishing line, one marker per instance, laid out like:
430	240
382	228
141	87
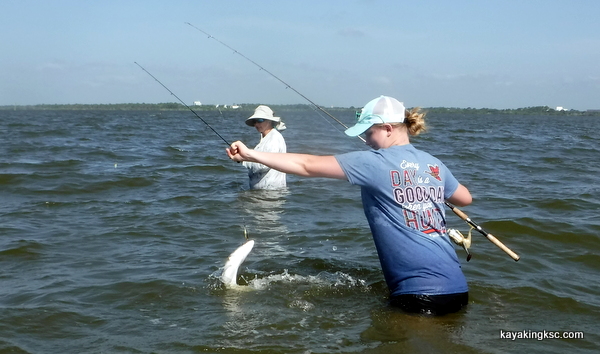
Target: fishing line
458	212
183	103
274	76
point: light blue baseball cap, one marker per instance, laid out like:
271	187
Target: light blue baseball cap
383	109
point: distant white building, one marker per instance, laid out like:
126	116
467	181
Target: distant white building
560	109
233	106
197	103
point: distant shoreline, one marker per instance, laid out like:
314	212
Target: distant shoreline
173	106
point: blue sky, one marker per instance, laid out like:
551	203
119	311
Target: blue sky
486	53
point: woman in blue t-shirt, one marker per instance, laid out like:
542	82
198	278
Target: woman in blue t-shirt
403	191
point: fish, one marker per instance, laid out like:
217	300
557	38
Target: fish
229	274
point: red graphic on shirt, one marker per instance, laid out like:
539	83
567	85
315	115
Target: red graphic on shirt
420	197
434	171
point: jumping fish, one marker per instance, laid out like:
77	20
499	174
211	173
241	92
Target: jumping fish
229	275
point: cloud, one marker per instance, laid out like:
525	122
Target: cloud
350	32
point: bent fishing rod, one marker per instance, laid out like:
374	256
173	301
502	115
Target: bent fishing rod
183	103
275	77
489	236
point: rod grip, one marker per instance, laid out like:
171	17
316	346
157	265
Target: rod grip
503	247
460	213
490	237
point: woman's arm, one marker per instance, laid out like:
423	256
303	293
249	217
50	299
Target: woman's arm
461	196
297	164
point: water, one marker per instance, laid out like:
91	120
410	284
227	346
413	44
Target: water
114	226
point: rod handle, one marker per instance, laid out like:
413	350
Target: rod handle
489	236
503	247
460	213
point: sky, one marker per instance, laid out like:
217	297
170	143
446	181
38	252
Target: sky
499	54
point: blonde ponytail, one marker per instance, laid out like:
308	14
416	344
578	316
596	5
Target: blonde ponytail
415	121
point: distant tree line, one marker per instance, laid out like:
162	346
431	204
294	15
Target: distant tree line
535	110
174	106
105	107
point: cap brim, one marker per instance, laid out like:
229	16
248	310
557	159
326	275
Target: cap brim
358	129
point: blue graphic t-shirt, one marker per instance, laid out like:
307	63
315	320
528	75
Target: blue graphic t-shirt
403	191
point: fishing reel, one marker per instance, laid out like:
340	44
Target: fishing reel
458	238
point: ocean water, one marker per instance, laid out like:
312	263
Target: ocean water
114	227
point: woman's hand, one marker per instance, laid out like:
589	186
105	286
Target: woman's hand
238	152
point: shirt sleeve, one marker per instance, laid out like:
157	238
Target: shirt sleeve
450	183
356	167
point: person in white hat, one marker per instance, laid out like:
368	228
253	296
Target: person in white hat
271	140
403	192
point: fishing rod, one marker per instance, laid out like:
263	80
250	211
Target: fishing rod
274	76
183	103
489	236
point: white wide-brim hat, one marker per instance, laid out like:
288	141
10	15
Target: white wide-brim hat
262	112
